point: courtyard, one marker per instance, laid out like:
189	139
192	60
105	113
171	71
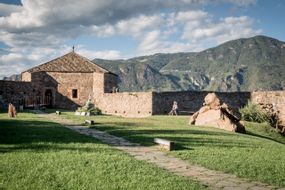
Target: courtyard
37	153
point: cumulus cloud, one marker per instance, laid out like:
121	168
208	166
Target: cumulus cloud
18	61
197	31
37	30
106	54
155	42
226	29
14	62
134	26
6	9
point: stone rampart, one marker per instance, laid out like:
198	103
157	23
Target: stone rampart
15	93
276	98
191	101
127	104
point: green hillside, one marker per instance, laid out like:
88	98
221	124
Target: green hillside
256	63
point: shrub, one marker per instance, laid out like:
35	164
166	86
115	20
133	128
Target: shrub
252	112
93	110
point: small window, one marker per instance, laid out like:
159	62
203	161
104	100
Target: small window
74	93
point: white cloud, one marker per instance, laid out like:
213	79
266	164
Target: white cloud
134	27
15	62
226	29
241	2
150	42
187	16
107	54
38	30
7	9
154	42
12	63
197	31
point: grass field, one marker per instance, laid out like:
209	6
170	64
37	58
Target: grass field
39	154
258	155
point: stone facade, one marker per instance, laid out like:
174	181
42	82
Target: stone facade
274	98
277	98
17	93
61	86
128	104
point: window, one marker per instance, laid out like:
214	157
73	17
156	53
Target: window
74	93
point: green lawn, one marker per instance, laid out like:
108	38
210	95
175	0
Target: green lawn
38	154
258	155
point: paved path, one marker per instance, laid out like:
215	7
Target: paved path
213	179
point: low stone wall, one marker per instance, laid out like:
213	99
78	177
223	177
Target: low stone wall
191	101
127	104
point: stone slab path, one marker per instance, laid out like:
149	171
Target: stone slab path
212	179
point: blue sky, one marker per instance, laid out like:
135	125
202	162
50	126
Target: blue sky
35	31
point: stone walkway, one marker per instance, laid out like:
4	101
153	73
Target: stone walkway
212	179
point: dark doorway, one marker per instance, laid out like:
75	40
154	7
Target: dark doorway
48	101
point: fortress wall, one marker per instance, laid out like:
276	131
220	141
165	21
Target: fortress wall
192	101
276	98
138	104
15	92
130	104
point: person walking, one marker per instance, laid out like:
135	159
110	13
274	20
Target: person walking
174	110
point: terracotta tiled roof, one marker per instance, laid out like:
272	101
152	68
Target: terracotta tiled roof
71	62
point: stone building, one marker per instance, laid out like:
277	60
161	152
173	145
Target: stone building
65	82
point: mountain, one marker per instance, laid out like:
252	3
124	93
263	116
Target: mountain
14	77
246	64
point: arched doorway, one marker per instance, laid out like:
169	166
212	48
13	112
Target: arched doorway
48	100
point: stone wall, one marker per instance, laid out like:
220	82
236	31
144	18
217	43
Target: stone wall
276	98
15	93
127	104
139	104
191	101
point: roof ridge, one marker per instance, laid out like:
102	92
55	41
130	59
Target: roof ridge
69	62
46	62
86	59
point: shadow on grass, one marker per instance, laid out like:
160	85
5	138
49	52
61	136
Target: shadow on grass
183	138
16	134
210	138
263	137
